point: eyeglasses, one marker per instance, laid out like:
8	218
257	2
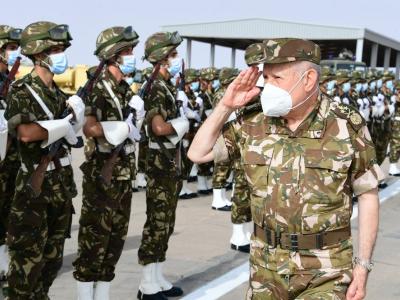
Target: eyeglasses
13	34
128	34
57	33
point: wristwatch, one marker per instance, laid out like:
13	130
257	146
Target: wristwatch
367	264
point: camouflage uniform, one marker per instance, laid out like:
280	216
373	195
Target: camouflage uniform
10	165
394	155
105	209
223	170
318	168
38	226
163	183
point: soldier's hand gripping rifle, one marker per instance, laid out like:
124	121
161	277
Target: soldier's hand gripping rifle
4	88
37	177
108	167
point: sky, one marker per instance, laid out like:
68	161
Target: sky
87	18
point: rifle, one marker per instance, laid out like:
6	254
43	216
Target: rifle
108	167
10	78
36	179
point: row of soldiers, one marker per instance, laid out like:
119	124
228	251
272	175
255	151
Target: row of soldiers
376	96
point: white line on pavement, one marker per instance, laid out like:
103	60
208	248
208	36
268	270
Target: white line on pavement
229	281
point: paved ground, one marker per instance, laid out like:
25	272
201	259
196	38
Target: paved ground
199	251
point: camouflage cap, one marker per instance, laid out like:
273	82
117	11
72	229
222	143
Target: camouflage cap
114	39
160	44
227	75
9	34
40	36
255	54
290	50
209	74
191	75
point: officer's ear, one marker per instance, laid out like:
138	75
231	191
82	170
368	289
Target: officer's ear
310	80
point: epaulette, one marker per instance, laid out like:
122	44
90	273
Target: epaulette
350	114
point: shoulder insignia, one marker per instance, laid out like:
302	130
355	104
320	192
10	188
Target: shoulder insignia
349	113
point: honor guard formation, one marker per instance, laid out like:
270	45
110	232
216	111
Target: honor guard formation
296	142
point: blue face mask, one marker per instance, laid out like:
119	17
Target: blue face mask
358	87
129	80
346	87
12	57
389	84
330	85
215	84
175	66
128	64
58	63
195	86
365	87
372	85
379	83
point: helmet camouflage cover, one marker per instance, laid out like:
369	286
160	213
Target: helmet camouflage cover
114	39
209	74
160	44
8	35
326	74
191	75
40	36
227	75
342	76
387	75
358	77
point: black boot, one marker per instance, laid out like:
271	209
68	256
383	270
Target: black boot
175	291
244	248
156	296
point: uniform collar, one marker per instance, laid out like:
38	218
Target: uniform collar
312	127
51	92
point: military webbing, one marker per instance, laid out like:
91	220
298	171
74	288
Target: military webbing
40	102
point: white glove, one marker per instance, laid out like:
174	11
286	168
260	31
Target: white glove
182	113
77	105
182	97
191	114
71	133
134	133
137	104
3	122
199	101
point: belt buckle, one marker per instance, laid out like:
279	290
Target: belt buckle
294	242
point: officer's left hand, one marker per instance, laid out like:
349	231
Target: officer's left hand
357	288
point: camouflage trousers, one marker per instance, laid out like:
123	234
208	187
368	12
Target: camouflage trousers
103	228
381	133
8	173
161	201
269	285
205	169
36	234
143	147
241	212
394	154
221	174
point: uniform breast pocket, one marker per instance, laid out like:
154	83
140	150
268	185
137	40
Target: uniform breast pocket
325	177
256	167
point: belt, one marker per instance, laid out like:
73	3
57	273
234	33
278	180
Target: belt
64	161
298	241
128	149
167	145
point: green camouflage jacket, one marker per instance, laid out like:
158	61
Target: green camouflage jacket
22	108
101	105
218	95
160	101
303	181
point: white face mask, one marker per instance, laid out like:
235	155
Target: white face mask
277	102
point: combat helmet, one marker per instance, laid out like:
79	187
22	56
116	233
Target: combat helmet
9	34
209	74
112	40
191	75
41	36
342	76
326	74
227	75
160	44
